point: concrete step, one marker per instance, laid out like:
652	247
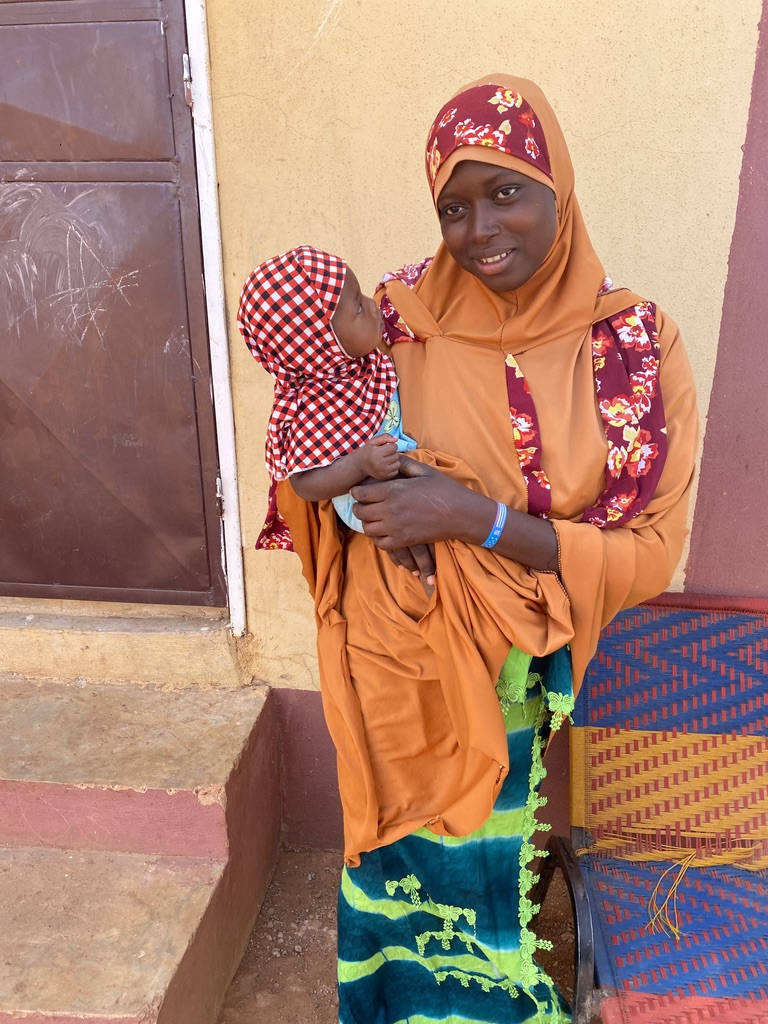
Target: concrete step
172	648
141	828
98	937
136	769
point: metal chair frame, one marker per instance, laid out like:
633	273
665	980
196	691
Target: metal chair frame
561	854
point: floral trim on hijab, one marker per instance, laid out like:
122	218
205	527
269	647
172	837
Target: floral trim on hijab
487	115
395	328
626	345
274	534
625	362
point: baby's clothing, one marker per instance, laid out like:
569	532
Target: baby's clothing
393	424
326	402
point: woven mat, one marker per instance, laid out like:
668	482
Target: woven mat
670	767
671	740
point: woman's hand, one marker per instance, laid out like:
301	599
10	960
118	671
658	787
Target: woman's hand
423	505
418	560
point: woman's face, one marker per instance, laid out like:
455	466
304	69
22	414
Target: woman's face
498	224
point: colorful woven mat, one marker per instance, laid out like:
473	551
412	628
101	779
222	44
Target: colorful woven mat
722	950
670	750
640	1009
669	760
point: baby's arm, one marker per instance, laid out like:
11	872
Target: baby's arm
377	458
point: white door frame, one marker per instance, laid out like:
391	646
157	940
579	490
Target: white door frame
210	228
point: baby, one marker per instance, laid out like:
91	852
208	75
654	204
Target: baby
336	413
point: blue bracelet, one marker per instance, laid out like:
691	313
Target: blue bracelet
498	526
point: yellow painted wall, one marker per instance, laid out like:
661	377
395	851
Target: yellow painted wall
321	108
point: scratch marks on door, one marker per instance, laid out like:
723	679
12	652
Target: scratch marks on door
59	265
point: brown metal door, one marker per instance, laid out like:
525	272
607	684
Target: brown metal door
107	440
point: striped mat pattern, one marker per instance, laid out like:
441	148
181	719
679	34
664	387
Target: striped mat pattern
670	769
671	668
671	738
642	1009
723	948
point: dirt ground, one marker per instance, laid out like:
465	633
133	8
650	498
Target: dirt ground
287	975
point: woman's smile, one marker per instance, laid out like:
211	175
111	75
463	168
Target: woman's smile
495	259
497	264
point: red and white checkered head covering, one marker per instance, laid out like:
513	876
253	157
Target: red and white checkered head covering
326	403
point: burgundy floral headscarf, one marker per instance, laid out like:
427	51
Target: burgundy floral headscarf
491	116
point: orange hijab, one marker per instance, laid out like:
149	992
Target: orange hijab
543	328
561	297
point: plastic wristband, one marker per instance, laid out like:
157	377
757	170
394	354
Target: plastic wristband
498	526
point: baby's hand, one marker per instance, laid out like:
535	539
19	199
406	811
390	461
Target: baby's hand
380	457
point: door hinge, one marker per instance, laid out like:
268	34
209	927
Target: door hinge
219	498
187	79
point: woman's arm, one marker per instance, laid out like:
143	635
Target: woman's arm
376	458
428	506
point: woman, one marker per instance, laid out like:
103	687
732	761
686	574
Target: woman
560	417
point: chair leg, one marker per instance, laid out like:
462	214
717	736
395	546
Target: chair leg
562	855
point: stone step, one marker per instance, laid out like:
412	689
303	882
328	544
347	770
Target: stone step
136	769
141	827
175	648
101	937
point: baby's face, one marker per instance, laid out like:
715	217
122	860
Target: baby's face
357	321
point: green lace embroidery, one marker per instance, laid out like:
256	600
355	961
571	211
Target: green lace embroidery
557	707
448	914
561	706
514	680
410	886
486	984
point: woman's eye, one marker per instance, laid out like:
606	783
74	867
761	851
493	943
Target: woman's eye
507	191
451	211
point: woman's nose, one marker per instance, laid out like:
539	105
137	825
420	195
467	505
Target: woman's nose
483	222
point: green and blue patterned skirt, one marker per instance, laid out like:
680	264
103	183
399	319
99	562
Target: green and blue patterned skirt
438	930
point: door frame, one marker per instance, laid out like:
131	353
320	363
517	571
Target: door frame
215	301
